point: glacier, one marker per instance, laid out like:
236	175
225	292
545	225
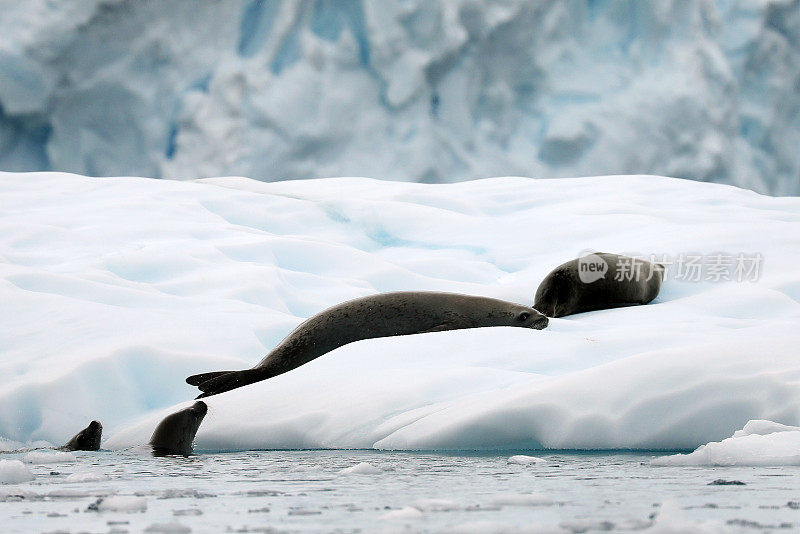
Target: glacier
404	89
116	289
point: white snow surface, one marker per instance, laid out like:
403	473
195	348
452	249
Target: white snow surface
759	443
403	89
116	289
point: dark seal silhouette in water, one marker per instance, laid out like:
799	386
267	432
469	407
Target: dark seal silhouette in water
598	281
176	432
382	315
87	439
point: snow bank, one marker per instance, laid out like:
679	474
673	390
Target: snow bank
117	289
404	90
758	443
14	472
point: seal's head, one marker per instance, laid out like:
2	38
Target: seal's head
506	314
530	318
175	433
556	296
87	439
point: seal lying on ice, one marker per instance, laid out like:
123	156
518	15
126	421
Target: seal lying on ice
598	281
175	433
382	315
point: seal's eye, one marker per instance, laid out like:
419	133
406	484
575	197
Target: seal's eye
523	316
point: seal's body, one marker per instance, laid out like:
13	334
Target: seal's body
87	439
175	433
382	315
597	282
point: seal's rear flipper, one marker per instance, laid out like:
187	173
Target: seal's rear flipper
229	381
196	380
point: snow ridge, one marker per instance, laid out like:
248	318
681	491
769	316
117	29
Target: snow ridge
115	290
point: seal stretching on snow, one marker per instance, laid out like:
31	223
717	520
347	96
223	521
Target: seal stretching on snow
598	281
382	315
175	433
87	439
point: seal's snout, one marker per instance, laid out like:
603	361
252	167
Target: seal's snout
541	323
95	425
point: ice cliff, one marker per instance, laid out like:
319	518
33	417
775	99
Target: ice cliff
404	90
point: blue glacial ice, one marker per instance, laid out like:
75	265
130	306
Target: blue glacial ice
403	90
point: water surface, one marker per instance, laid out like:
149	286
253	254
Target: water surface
304	491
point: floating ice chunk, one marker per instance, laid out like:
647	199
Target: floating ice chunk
189	511
758	443
67	494
168	528
497	527
403	514
521	459
763	427
48	457
363	468
587	525
15	494
436	505
724	482
87	476
14	472
120	503
523	499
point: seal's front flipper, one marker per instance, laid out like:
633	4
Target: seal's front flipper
196	380
228	381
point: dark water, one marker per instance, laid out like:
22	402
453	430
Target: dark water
305	491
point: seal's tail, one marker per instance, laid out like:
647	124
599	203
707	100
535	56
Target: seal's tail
196	380
226	382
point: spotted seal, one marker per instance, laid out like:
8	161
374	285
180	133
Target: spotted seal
382	315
